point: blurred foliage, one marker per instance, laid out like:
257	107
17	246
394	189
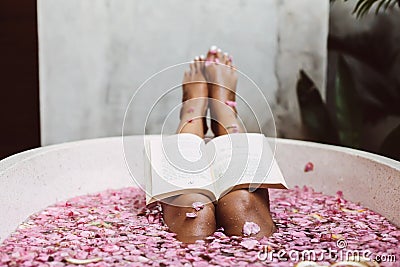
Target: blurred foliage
363	6
390	147
348	106
355	101
317	122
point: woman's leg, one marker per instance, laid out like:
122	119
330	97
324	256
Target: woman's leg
193	111
239	206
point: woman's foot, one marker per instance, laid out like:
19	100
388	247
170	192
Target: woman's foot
222	80
194	100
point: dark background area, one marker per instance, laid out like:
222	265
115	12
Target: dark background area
19	94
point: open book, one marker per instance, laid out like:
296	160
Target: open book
185	163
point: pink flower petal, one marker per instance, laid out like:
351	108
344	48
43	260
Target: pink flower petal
110	248
250	228
231	103
191	214
136	235
198	205
249	243
297	234
309	167
86	261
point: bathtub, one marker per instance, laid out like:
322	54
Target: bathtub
34	179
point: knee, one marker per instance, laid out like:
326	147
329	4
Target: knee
240	199
186	200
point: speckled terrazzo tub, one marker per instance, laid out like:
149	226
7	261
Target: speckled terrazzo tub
35	179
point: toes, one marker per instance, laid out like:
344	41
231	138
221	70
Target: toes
212	53
219	57
186	75
216	55
201	62
198	64
227	60
192	67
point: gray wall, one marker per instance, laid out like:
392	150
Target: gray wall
94	54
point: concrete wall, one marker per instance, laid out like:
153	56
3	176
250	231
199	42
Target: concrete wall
94	54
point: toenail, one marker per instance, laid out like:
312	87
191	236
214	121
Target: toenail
196	58
213	49
226	54
219	50
216	60
230	58
202	57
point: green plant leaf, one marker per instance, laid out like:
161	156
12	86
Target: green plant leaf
391	145
348	107
362	7
379	7
314	114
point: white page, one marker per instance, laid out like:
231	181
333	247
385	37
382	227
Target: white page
244	159
178	163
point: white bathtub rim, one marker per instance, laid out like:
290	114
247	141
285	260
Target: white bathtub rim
350	151
20	161
19	158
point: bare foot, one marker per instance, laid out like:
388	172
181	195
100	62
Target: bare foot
194	100
222	80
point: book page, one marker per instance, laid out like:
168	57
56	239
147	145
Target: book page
179	163
244	159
